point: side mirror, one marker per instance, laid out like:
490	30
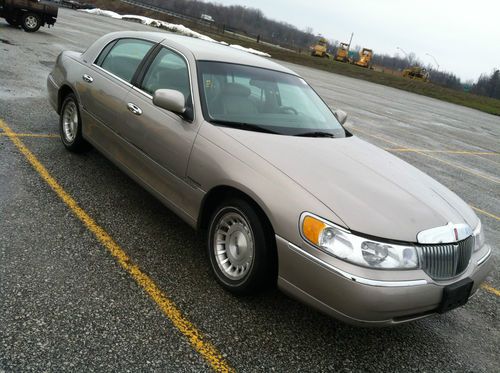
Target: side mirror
340	115
171	100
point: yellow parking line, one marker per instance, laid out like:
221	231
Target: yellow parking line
468	170
490	289
36	135
486	213
167	306
410	150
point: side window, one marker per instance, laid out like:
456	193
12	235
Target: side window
123	57
168	71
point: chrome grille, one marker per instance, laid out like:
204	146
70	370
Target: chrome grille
446	260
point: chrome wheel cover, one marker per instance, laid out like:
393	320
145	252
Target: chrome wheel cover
70	122
233	245
31	22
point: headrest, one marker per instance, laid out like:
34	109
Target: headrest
174	76
235	89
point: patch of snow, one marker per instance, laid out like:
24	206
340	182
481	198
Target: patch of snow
100	12
141	19
181	29
250	50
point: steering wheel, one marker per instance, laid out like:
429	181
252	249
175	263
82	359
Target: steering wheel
285	109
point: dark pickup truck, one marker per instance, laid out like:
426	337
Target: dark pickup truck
29	14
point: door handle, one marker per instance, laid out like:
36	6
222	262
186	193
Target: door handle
134	109
87	78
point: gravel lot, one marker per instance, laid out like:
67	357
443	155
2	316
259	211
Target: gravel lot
65	304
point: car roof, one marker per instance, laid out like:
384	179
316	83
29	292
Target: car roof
203	50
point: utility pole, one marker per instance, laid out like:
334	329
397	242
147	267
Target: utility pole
350	40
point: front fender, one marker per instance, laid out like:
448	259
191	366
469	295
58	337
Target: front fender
217	159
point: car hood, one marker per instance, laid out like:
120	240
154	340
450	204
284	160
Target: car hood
368	189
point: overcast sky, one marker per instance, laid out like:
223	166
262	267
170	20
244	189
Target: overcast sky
464	36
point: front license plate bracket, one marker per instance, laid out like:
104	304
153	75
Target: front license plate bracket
456	295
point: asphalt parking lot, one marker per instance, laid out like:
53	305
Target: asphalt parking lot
71	301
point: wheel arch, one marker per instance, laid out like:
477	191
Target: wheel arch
221	192
64	90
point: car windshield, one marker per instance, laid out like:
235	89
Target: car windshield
257	99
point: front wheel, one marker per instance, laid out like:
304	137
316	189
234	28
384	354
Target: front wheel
70	126
31	22
241	248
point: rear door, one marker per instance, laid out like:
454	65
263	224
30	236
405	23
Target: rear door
105	84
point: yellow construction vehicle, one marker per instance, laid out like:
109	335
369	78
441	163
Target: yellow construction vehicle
365	58
342	53
319	49
416	73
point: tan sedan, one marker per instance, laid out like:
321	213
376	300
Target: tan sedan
244	149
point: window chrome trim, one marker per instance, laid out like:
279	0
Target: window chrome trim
485	257
349	276
137	89
154	42
113	75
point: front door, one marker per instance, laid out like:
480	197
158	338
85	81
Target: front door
164	136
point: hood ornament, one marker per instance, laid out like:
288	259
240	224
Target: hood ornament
448	233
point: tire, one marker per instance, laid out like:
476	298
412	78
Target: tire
241	248
70	126
31	22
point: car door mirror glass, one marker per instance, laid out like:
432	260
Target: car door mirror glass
341	116
171	100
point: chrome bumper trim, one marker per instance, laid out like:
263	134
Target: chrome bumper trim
483	259
354	278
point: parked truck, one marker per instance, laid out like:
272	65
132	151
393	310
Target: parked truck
29	14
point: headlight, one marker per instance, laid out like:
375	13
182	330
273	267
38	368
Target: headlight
344	245
478	237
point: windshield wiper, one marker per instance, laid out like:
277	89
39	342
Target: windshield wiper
243	126
316	134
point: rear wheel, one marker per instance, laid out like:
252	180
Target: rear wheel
70	126
31	22
241	248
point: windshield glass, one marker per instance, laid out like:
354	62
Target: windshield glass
263	100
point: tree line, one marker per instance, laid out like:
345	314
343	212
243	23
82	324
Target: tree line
247	20
488	85
253	22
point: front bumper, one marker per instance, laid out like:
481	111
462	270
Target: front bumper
356	299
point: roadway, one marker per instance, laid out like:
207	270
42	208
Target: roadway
116	282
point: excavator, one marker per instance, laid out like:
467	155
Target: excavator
416	73
365	58
342	53
319	49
